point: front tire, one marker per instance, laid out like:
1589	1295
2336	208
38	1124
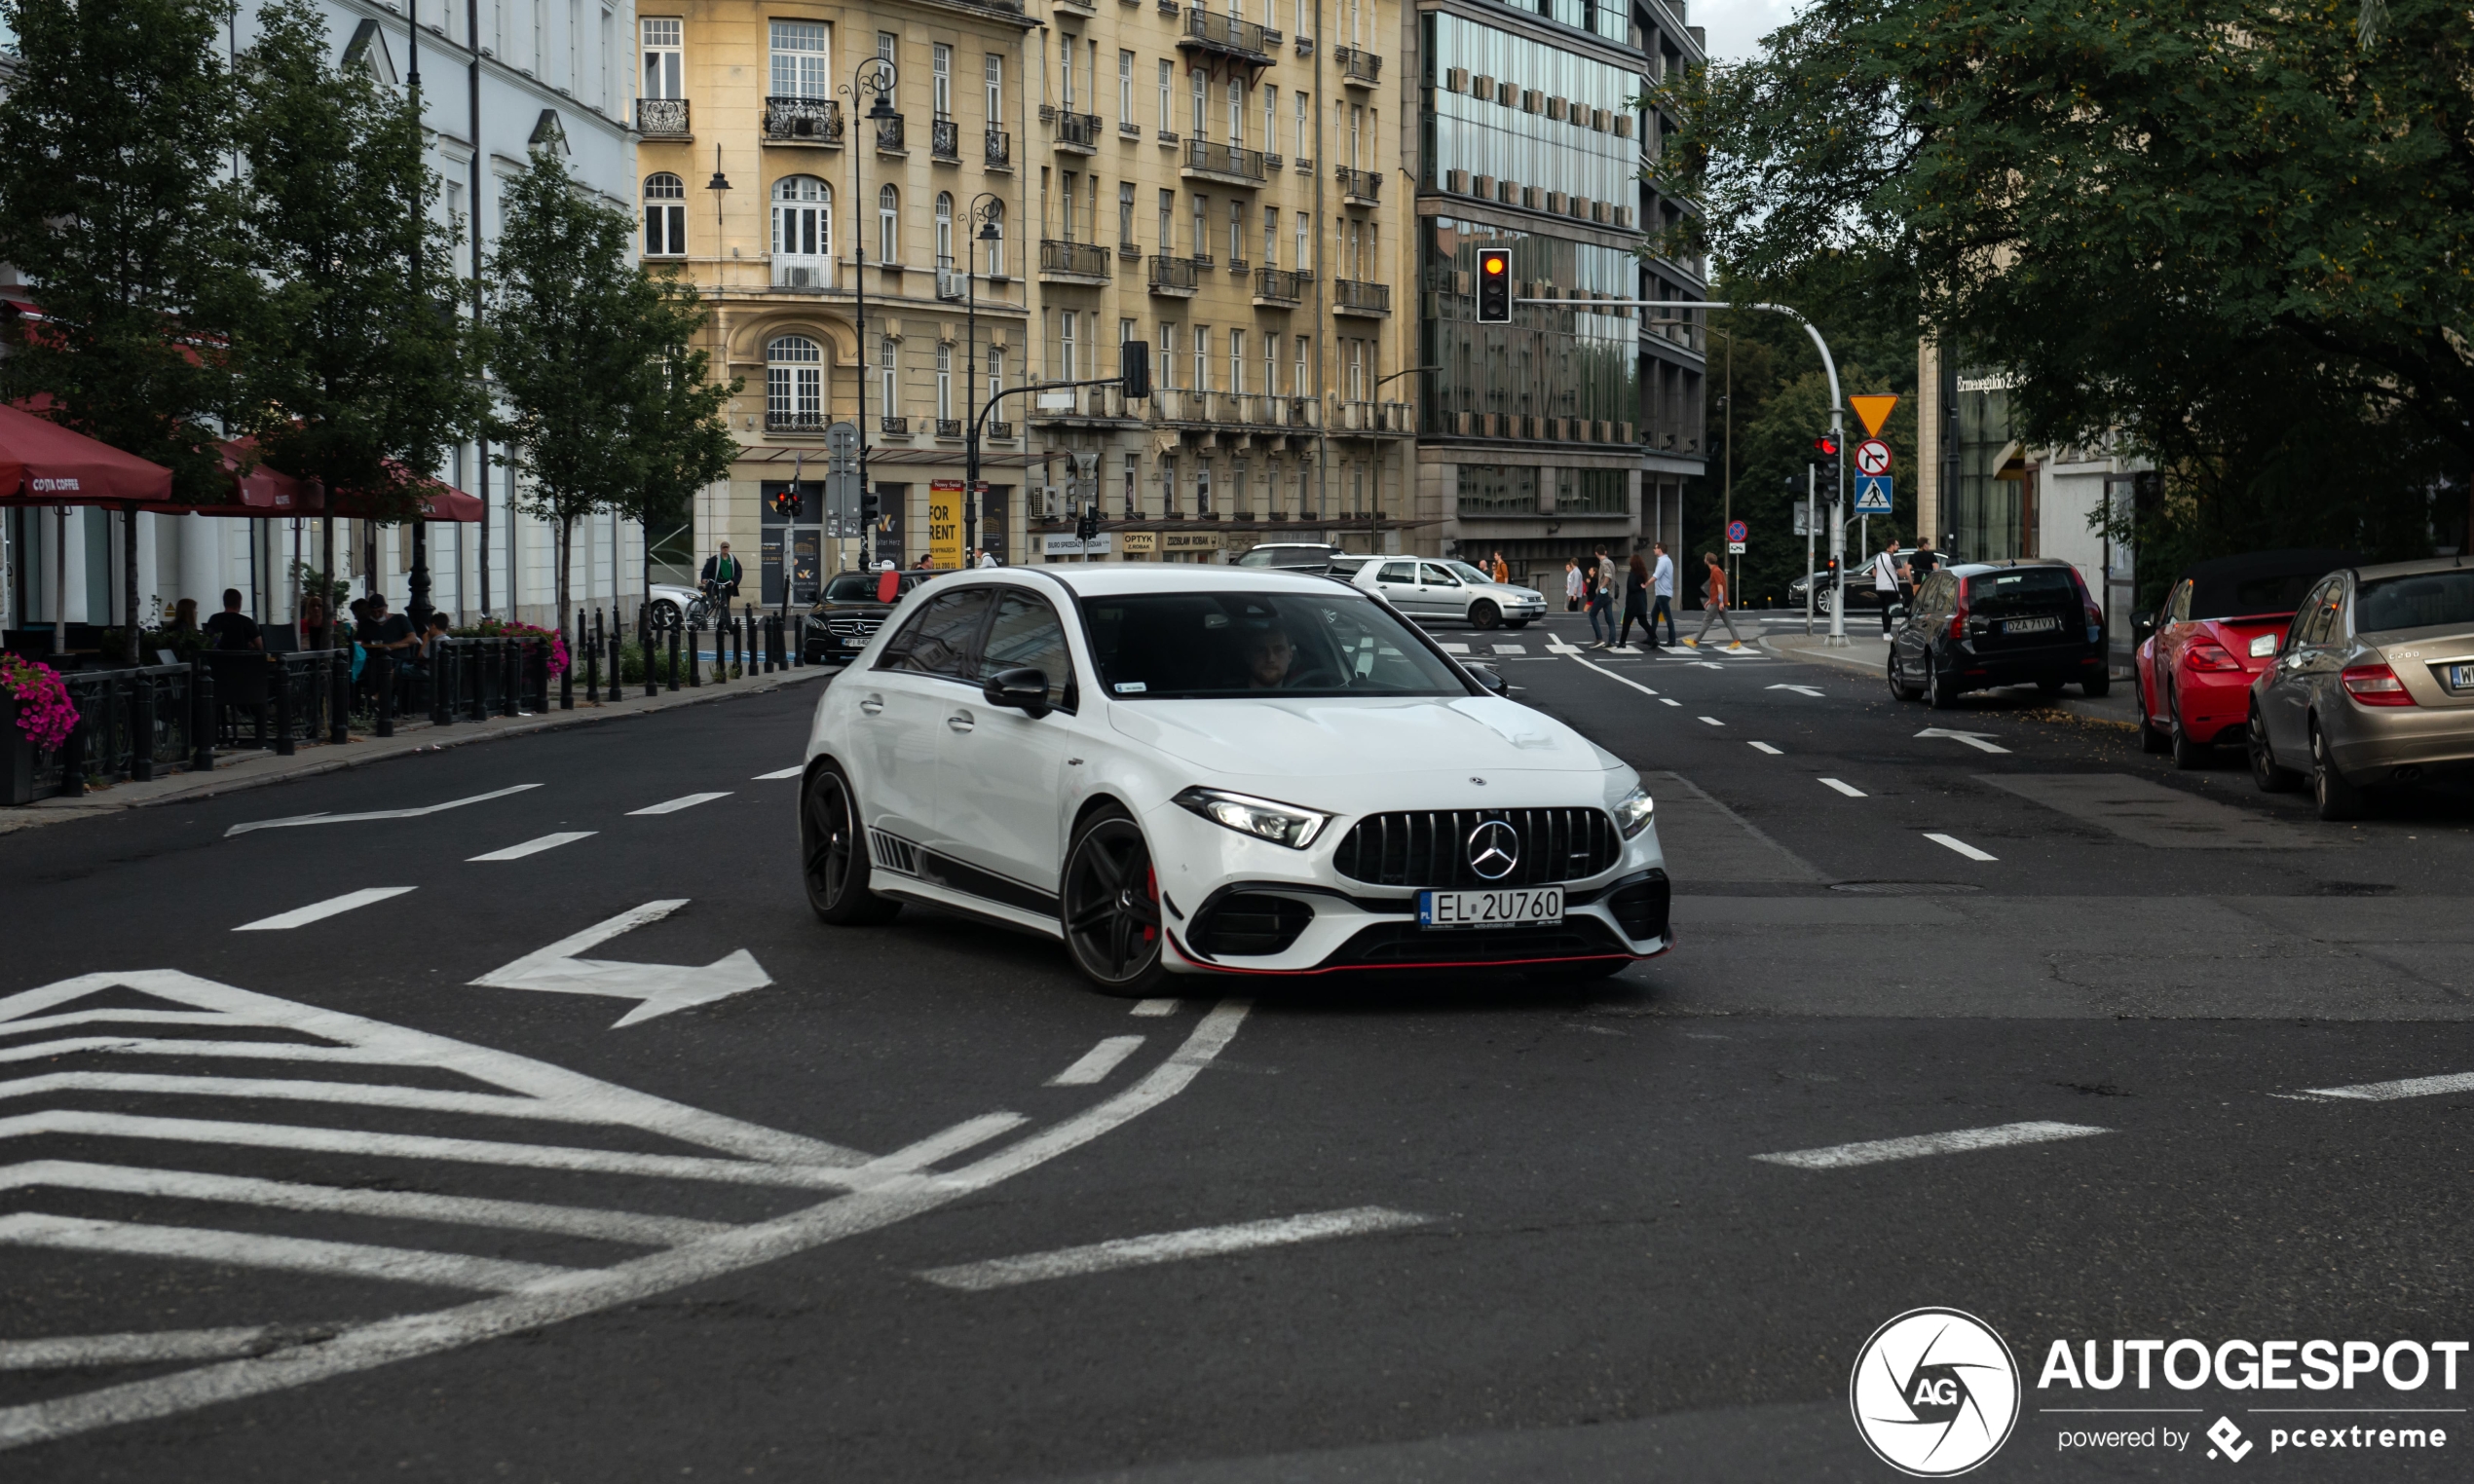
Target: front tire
665	616
1110	907
2339	798
833	854
2265	771
1484	614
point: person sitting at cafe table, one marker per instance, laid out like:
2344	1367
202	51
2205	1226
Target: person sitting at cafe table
184	616
232	630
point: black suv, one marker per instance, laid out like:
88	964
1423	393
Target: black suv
1980	624
845	617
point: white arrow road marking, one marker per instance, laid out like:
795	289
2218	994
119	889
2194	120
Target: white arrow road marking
683	801
255	1250
1094	1065
302	916
1169	1246
1958	1141
779	773
1961	846
1975	739
345	819
661	987
1617	679
536	846
1764	747
1850	789
1799	690
2412	1087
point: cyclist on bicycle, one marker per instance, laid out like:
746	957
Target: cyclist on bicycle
721	578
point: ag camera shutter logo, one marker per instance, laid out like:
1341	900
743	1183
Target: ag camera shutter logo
1934	1393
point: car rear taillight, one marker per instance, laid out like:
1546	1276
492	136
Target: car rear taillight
2210	656
2376	685
2088	606
1958	615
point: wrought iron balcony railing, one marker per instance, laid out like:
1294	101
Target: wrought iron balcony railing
948	427
1089	260
894	427
1078	132
785	420
1173	276
889	134
945	139
1280	285
1350	296
802	121
661	117
1359	187
1228	34
1359	67
1225	161
998	149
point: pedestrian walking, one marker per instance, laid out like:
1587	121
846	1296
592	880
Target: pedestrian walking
1636	603
1662	596
1571	585
1890	580
1500	570
1601	600
1713	604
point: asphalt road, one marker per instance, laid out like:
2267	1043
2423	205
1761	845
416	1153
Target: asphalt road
305	1202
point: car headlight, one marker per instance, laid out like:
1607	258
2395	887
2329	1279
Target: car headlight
1631	816
1263	818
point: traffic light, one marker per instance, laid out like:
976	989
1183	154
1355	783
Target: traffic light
1826	445
785	502
1134	359
1829	574
1087	525
869	506
1494	286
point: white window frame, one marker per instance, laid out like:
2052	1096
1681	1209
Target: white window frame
665	215
799	70
889	223
941	80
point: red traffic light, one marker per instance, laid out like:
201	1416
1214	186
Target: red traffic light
1826	445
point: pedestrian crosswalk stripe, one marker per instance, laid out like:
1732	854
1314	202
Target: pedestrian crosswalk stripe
1512	648
1455	648
1953	842
257	1250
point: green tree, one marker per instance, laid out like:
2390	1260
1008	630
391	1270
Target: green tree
360	371
2230	234
117	204
679	439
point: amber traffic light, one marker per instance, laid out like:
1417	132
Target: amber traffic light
1495	287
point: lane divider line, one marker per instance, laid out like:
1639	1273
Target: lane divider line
1669	700
536	846
1094	1065
1154	1007
345	819
683	801
2389	1092
779	773
1881	1151
1611	675
1169	1246
315	911
1764	747
1713	721
1952	842
1850	789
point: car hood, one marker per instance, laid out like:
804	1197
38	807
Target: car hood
1334	737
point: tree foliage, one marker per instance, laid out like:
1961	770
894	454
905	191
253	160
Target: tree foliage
2237	237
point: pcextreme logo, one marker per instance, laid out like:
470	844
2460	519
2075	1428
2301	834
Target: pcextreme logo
1934	1393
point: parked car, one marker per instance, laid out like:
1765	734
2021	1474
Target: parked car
1427	588
1861	592
1982	624
1294	556
1197	770
2220	626
847	614
2373	685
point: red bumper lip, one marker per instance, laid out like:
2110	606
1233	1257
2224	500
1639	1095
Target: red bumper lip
1210	967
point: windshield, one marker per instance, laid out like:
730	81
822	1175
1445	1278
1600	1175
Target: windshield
851	587
1181	646
2028	590
1466	573
2425	599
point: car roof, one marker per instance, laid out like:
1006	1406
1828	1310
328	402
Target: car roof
2269	564
1099	579
1292	546
1971	569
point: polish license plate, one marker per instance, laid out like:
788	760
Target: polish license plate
2030	625
2461	677
1517	908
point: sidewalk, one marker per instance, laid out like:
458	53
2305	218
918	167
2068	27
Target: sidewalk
1867	652
234	771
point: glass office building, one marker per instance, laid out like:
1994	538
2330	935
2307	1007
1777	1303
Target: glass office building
1550	364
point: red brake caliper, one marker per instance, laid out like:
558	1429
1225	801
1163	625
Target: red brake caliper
1151	889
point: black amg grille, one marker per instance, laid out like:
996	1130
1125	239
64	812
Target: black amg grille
1429	848
1406	943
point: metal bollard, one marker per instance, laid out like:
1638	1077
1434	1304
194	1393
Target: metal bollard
141	728
510	677
284	746
339	696
201	718
441	699
586	640
384	660
73	760
652	671
567	676
674	658
695	659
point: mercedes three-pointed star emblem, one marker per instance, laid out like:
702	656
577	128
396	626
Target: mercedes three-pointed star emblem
1494	851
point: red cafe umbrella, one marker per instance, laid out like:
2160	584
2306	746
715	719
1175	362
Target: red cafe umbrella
43	463
265	490
436	499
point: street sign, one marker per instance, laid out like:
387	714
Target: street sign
1873	410
1738	533
841	507
1872	494
842	448
1872	457
1735	548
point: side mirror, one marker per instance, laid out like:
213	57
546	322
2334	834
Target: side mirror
2141	627
1488	678
1024	688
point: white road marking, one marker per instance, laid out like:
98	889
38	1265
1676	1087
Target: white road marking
1975	739
1953	842
683	801
1764	747
62	1351
302	916
1512	648
1094	1065
256	1250
1799	690
1670	701
1169	1246
1154	1007
292	821
1455	648
658	988
536	846
780	773
1617	679
1713	721
365	1347
1559	647
2412	1087
1849	790
1622	649
1958	1141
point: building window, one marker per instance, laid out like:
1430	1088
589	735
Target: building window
665	216
1202	226
1236	231
1168	354
996	373
1304	259
1303	152
1237	362
794	383
1125	87
1357	369
944	383
1271	362
944	230
802	223
802	59
1236	111
1072	362
665	60
1271	236
1072	181
941	80
1201	102
1133	471
1065	71
889	225
1202	358
996	244
1271	118
1125	212
888	383
996	79
1304	385
1168	119
1167	245
888	47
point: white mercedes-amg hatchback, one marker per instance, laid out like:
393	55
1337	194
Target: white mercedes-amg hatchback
1184	769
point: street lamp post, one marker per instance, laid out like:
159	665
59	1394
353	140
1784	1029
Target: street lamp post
986	217
877	77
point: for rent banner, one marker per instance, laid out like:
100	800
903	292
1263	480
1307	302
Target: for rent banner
945	523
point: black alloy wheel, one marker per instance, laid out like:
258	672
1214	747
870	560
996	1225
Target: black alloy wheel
2338	797
1484	614
2190	755
833	854
2265	771
1944	685
1110	907
1898	687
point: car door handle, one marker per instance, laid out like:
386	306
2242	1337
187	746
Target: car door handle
959	720
873	705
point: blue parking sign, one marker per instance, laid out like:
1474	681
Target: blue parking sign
1873	494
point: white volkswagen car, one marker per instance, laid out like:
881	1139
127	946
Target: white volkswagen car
1424	588
1184	769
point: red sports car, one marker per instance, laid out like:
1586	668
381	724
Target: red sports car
2218	628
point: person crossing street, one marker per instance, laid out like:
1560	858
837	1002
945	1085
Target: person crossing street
1890	580
1661	600
1713	604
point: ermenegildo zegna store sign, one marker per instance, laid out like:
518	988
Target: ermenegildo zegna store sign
1936	1392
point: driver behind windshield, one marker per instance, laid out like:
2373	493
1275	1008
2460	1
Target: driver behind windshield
1268	657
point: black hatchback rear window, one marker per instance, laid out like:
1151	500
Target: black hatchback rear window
2027	590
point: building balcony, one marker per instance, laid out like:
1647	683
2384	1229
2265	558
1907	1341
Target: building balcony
948	427
1358	188
1224	36
1074	262
1072	9
802	121
1228	164
890	136
996	149
1173	277
1371	301
785	420
945	141
1280	287
1077	134
663	118
1382	419
1357	67
804	276
894	427
1000	432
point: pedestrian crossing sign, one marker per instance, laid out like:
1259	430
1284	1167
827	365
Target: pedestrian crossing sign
1873	494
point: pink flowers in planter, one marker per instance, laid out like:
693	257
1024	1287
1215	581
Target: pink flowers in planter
508	629
44	712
